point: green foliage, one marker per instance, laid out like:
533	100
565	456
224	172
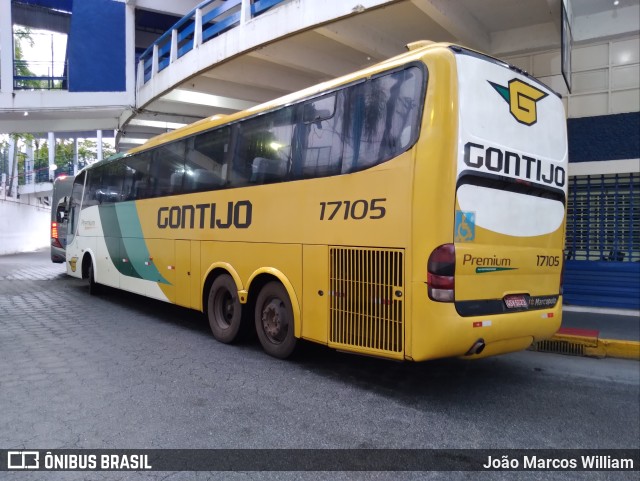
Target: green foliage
22	36
87	152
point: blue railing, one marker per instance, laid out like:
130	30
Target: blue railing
205	22
38	170
25	79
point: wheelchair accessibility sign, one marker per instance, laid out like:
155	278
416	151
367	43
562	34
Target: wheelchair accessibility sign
465	229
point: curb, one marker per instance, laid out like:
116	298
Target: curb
578	342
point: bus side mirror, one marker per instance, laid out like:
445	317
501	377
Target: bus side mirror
62	210
61	213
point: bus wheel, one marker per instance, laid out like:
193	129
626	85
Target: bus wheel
224	310
274	321
94	287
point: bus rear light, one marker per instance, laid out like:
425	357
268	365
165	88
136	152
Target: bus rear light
441	282
441	270
55	240
441	288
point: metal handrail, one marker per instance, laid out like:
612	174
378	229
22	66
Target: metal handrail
195	28
48	81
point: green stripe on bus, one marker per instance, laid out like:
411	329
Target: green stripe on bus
125	242
134	245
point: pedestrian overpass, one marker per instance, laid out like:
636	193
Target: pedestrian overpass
224	56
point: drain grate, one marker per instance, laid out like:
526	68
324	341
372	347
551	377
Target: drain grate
559	347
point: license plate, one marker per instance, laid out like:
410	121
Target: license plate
518	301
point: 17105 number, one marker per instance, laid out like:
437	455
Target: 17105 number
357	209
548	261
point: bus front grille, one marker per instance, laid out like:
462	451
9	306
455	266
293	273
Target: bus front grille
367	299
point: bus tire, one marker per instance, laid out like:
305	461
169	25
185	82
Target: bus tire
224	310
94	287
274	321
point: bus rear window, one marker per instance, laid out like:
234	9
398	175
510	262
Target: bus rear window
510	206
509	184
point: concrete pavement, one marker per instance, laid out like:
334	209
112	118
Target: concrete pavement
588	331
595	332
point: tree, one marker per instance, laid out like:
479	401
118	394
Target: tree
87	153
21	36
4	152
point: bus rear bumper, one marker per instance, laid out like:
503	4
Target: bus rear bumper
501	347
438	331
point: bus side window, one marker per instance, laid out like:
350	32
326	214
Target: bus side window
206	161
382	118
137	175
93	179
317	140
112	182
263	154
167	169
127	184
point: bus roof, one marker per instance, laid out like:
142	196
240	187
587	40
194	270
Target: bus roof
417	50
109	159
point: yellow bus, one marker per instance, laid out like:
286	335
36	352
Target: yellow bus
412	210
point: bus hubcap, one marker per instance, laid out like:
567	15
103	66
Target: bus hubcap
225	309
274	321
228	308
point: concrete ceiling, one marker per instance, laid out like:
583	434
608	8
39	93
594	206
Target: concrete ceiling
499	27
330	50
340	47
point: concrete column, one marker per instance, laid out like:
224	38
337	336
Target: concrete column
99	141
197	29
140	75
51	141
173	52
75	155
154	61
13	178
6	47
130	52
245	11
29	172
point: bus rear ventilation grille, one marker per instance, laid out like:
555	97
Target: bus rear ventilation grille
559	347
367	303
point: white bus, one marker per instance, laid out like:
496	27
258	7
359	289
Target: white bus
61	191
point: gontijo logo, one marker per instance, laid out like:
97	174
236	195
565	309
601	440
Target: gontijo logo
522	99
